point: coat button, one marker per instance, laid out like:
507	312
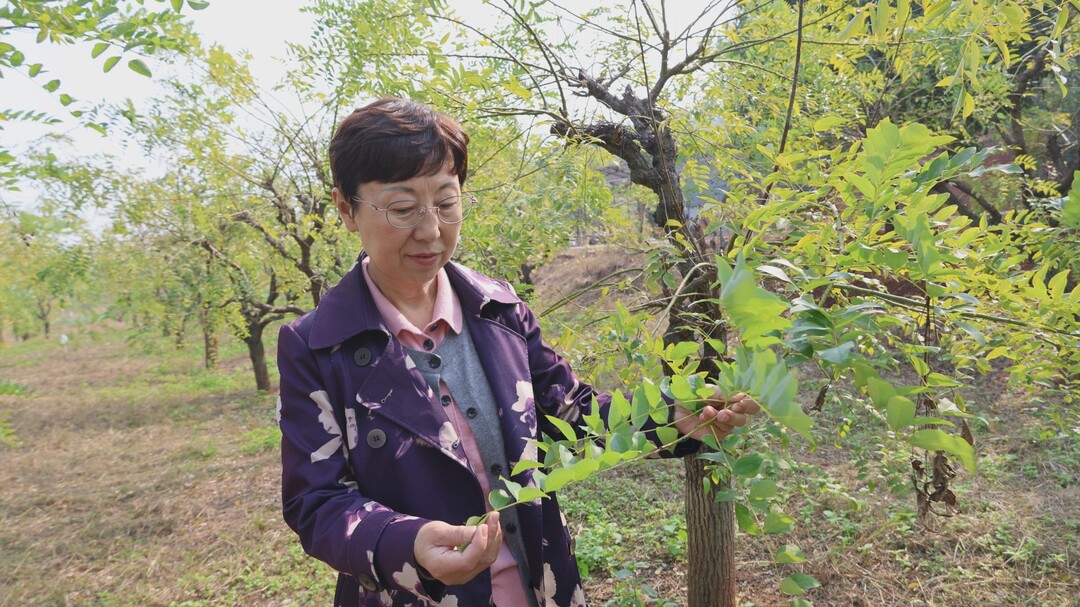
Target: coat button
362	357
434	362
376	438
471	412
456	445
511	528
445	400
367	582
496	469
428	344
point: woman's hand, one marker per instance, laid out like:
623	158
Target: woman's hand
719	416
436	549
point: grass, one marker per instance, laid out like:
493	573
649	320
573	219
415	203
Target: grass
141	479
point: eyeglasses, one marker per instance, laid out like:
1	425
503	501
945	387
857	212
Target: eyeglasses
408	213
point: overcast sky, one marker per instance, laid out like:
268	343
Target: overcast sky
261	27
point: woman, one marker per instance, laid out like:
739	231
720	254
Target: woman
412	388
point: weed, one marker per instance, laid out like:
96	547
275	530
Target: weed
259	440
631	591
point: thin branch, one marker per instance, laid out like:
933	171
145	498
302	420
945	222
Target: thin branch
764	197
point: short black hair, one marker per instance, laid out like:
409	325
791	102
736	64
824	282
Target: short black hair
392	140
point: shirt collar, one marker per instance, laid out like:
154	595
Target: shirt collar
348	307
447	306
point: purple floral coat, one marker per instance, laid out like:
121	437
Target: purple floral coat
369	455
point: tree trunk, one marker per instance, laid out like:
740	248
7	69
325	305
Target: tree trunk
210	349
257	354
43	312
210	340
710	530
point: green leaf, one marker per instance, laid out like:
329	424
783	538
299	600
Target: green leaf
899	412
472	521
937	379
680	351
659	409
762	489
618	411
747	465
746	520
682	391
855	27
798	583
667	435
139	67
177	5
789	553
500	499
639	408
777	522
938	440
52	85
111	63
619	442
880	392
775	387
775	272
725	495
558	478
65	99
514	87
868	189
98	49
35	69
1070	205
838	355
196	5
530	494
566	429
828	122
594	422
755	313
524	465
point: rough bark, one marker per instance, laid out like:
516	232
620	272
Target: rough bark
257	354
211	353
710	529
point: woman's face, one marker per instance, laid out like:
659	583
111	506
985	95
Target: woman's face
404	261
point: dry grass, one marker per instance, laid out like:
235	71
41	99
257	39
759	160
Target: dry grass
143	480
139	480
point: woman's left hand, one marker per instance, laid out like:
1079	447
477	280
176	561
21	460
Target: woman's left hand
718	417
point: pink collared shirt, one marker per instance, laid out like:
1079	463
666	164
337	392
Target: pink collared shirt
506	587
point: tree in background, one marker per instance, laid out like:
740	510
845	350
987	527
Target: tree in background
116	28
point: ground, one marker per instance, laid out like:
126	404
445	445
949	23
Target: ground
141	479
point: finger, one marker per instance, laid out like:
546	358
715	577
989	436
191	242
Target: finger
472	544
746	405
494	543
734	420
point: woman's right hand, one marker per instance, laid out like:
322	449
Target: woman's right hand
436	549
